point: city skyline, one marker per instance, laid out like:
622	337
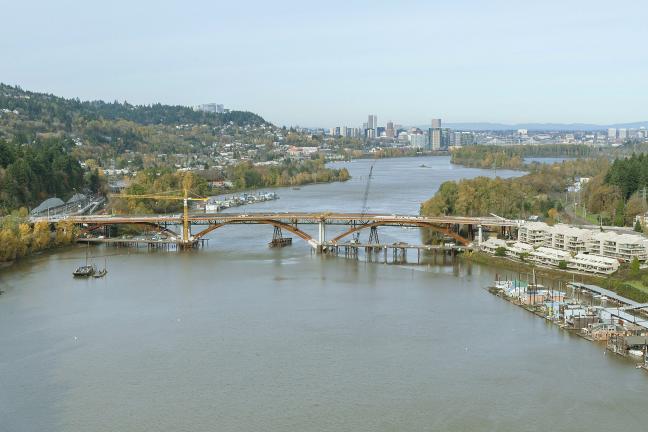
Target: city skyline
326	64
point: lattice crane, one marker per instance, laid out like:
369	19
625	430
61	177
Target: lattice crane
365	198
185	198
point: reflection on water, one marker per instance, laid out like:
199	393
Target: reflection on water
240	337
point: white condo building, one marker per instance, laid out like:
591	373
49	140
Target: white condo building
492	244
533	233
585	250
549	256
568	238
576	240
593	264
625	247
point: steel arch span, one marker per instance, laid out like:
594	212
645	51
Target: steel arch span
284	226
442	230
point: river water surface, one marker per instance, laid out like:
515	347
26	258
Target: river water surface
237	337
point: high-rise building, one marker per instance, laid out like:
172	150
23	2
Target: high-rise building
623	134
372	122
371	126
612	134
435	136
417	140
390	132
210	107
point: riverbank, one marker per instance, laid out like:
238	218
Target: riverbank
619	283
396	154
514	157
53	250
588	311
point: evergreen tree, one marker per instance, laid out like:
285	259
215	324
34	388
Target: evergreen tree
638	228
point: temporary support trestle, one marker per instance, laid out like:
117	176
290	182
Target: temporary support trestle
278	240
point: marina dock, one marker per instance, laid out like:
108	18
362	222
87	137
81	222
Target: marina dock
592	312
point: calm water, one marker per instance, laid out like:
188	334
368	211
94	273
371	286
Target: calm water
236	337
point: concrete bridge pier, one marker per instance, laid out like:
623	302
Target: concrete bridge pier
321	236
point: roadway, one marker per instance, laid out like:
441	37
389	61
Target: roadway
286	217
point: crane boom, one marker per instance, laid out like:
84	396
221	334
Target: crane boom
185	198
366	191
365	198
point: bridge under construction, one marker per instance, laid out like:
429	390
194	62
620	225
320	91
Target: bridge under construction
464	231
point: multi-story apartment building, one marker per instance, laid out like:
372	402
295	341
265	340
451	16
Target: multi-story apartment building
568	238
609	244
549	256
625	247
534	233
593	264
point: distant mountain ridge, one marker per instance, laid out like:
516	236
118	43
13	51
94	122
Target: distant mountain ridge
554	127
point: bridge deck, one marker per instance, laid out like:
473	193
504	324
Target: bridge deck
292	218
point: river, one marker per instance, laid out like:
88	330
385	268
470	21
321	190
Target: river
237	337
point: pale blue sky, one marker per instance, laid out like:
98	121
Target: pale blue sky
332	62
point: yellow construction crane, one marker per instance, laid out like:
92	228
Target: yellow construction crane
185	198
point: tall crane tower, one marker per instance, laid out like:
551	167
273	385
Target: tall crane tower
374	233
186	234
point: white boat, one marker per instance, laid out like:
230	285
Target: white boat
505	284
636	353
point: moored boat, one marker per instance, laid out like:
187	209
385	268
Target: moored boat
84	271
100	273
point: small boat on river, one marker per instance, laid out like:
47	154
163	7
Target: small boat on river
86	270
101	273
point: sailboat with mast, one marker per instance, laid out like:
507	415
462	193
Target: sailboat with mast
101	273
86	270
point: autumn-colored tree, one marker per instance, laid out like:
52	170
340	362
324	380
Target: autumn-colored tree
9	243
636	205
64	232
553	214
41	236
24	239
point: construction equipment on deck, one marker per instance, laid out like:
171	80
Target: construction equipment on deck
365	208
185	198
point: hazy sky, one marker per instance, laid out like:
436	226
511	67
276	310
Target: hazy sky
332	62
